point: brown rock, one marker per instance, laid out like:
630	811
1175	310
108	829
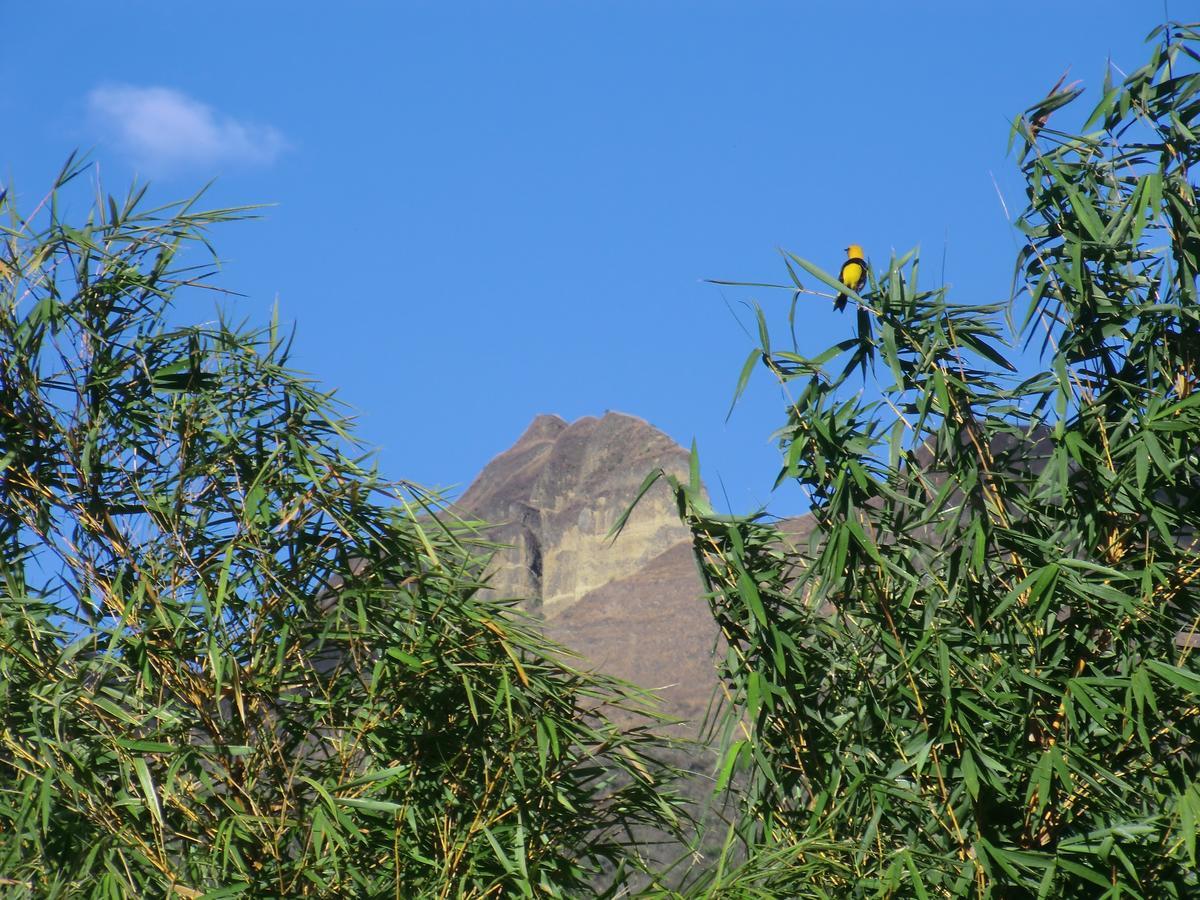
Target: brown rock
633	608
556	493
653	628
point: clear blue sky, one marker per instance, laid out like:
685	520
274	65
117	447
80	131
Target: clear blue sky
490	210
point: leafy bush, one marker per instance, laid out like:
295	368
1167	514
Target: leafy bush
979	679
233	660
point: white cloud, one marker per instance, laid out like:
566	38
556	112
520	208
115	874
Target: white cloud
163	130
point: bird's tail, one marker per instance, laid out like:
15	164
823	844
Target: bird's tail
840	303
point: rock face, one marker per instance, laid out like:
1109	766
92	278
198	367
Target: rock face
633	608
653	628
556	493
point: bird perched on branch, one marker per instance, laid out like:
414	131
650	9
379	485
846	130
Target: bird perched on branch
853	274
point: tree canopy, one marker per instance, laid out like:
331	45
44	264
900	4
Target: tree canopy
233	659
979	679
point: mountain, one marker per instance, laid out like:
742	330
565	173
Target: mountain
633	607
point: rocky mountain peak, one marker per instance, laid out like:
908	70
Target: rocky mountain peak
554	495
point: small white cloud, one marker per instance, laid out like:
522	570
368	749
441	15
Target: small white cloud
162	130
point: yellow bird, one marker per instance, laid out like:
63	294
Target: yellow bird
853	274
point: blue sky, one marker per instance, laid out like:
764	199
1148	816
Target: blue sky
484	211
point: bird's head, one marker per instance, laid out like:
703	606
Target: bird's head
854	251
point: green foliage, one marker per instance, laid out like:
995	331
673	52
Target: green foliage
978	679
233	661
